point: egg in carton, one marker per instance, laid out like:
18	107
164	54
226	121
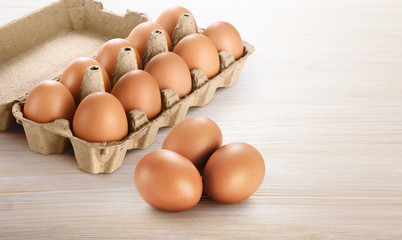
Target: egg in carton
106	157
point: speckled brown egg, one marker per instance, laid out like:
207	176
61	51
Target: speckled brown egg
225	37
168	181
170	71
140	34
74	74
100	117
196	138
233	173
108	53
199	52
48	101
137	89
169	17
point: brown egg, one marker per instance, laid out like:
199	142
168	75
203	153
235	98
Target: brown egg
196	138
233	173
48	101
100	117
74	74
168	181
108	53
170	71
140	34
137	89
199	52
169	17
225	38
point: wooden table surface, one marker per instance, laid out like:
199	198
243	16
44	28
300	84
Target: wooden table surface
321	98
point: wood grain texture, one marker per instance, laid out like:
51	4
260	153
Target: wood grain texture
321	98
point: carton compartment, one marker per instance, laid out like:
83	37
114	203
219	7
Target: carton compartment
40	45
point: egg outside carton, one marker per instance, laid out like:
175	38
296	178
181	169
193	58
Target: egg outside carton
106	157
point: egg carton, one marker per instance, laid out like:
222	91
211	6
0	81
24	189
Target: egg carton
106	157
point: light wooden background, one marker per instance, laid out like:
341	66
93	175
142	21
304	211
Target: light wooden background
321	98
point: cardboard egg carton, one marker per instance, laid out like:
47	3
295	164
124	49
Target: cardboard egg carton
106	157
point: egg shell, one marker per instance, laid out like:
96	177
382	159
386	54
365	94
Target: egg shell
137	89
48	101
196	138
168	181
170	71
169	17
108	53
100	117
233	173
140	34
225	37
74	73
199	52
